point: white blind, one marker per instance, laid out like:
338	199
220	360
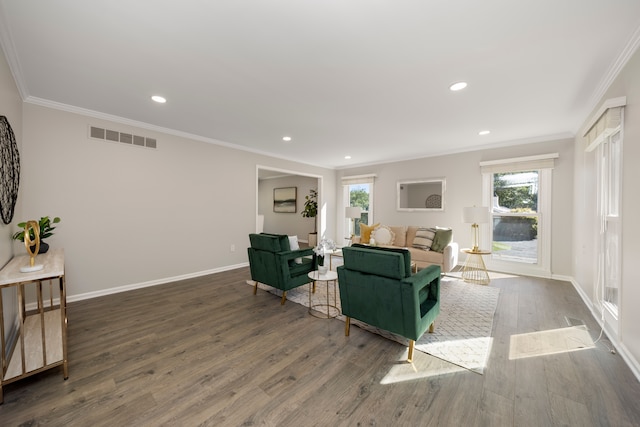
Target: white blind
520	164
609	123
358	179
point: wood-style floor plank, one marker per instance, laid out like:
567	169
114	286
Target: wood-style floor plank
206	351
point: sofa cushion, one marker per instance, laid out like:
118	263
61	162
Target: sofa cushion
401	236
422	256
365	232
443	237
424	238
383	235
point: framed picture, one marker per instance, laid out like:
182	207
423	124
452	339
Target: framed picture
284	199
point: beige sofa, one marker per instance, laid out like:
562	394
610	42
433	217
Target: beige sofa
403	237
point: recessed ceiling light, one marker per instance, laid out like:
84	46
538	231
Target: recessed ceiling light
458	86
347	157
159	99
484	132
286	138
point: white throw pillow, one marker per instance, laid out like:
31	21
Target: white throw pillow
294	246
383	235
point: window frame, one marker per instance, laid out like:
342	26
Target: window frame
544	166
347	182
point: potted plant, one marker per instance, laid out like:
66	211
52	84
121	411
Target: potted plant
311	211
46	230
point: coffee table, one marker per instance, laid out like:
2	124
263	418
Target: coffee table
332	309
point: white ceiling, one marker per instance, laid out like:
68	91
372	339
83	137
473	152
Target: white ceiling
366	78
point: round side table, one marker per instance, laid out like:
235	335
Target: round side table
474	270
332	309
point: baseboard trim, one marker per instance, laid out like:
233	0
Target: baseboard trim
621	349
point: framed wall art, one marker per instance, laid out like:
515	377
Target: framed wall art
285	199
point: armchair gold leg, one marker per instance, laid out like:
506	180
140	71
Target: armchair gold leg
431	326
284	297
347	322
255	287
412	343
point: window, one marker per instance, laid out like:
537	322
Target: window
603	136
609	161
519	193
358	191
359	195
515	216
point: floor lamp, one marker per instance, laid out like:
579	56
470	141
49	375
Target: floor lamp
352	212
475	216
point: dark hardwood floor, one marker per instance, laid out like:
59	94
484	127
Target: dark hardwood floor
206	351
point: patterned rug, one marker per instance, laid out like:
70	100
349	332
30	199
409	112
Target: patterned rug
462	334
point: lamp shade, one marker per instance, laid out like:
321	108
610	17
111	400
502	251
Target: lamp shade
353	211
475	215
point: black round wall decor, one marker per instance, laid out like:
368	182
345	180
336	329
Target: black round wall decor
9	170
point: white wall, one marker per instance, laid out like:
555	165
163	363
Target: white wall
133	215
626	84
464	188
11	108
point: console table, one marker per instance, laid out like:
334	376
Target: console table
41	341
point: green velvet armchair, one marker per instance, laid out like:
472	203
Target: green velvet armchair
273	263
377	287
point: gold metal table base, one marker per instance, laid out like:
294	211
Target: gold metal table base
474	270
332	309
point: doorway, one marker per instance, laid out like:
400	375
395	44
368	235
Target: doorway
290	223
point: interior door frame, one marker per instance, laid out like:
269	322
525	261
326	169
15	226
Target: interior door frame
321	220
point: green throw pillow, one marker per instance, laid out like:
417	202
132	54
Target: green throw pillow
442	239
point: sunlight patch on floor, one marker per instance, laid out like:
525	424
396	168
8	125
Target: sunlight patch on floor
552	341
423	366
493	275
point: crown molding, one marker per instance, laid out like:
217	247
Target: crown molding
614	70
563	136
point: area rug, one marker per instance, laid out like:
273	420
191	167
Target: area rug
462	334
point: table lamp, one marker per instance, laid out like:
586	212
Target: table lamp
352	212
474	216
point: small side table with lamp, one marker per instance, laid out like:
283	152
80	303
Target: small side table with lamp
474	269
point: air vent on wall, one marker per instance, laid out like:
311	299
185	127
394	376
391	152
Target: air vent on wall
122	137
